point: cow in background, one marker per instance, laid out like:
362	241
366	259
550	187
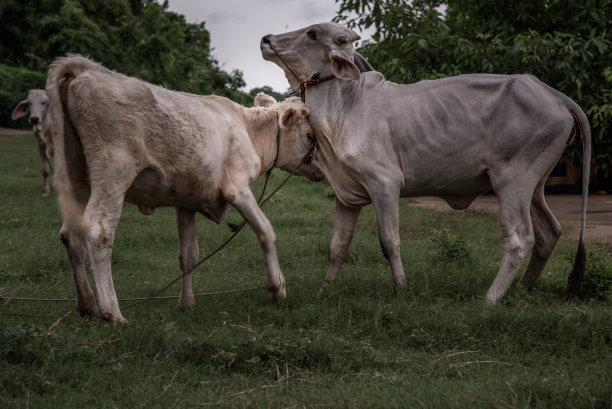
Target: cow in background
37	104
122	139
454	138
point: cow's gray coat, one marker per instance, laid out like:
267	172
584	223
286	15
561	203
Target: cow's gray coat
454	138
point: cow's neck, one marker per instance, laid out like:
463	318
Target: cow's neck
328	105
262	126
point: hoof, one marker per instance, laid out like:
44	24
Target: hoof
492	298
115	319
400	283
187	303
326	291
87	308
277	293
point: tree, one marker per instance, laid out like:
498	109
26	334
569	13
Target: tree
140	38
565	43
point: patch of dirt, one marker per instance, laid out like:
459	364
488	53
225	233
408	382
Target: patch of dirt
565	207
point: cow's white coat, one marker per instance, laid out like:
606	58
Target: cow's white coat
119	138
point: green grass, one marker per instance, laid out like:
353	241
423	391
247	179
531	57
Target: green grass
437	345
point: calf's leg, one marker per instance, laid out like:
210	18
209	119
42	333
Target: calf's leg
188	253
246	204
102	212
75	246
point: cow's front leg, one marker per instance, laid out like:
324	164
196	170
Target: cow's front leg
345	220
386	207
248	208
75	246
46	167
188	253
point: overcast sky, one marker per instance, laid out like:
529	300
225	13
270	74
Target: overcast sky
236	27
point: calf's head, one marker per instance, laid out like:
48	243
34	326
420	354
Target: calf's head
318	50
37	104
296	151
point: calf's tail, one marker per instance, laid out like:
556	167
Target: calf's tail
577	274
67	145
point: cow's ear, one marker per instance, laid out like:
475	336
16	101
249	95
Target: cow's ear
264	100
362	63
342	66
289	116
20	110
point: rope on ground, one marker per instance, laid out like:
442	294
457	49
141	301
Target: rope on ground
165	297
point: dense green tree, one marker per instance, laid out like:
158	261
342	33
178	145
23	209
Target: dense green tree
141	38
565	43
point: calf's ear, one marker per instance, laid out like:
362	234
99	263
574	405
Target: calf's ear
342	66
264	100
289	117
20	110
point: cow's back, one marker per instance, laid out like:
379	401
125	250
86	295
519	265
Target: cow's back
445	134
180	143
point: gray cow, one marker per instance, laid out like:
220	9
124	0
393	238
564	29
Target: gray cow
454	138
37	105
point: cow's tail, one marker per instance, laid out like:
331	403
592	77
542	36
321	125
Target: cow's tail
577	274
66	141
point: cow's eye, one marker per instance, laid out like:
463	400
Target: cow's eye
312	35
342	40
311	137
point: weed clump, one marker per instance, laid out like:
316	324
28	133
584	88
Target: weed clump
450	247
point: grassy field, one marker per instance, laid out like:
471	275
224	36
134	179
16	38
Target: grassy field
437	345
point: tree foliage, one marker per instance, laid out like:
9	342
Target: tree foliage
565	43
141	38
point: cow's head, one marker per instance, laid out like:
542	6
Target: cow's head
37	104
321	49
296	140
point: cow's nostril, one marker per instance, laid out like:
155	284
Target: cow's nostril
34	119
266	39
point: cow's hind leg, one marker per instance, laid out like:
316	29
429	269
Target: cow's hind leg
77	251
345	221
188	253
386	206
547	232
102	213
518	236
246	204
